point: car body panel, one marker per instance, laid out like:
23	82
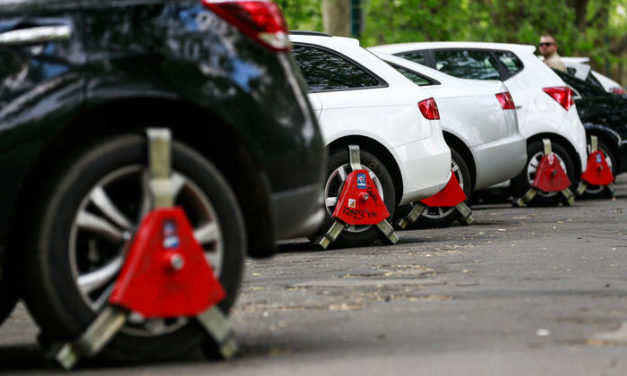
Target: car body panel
603	114
37	84
182	55
538	114
471	112
388	114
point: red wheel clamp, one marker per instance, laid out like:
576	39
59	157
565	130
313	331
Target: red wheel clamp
550	177
165	273
359	204
452	195
598	172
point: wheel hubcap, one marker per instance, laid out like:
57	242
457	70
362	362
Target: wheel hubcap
334	186
596	189
532	168
105	223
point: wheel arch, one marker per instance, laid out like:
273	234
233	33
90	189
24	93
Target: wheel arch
609	138
460	146
379	150
574	156
222	146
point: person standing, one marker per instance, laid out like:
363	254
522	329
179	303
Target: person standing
548	49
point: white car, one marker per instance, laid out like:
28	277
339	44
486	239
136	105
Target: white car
580	68
480	126
544	103
360	99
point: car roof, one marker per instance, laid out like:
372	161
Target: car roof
575	59
446	79
401	47
350	48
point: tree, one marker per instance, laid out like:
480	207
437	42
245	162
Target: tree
336	17
593	28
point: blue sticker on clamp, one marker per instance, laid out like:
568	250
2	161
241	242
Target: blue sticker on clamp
170	235
361	181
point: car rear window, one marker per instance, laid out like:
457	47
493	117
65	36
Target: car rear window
325	71
512	63
473	64
415	56
413	76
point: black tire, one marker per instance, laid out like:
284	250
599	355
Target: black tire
357	236
521	183
595	191
436	217
8	295
51	290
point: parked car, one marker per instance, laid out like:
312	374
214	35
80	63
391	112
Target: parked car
480	126
580	68
360	99
603	115
543	101
79	86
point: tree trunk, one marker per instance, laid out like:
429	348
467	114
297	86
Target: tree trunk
336	17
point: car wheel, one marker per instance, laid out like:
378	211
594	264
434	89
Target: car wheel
338	168
597	191
84	218
521	183
442	216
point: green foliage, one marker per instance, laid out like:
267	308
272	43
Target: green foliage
515	21
302	14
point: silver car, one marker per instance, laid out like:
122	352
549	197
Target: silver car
480	126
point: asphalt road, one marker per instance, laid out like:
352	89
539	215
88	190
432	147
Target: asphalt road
523	291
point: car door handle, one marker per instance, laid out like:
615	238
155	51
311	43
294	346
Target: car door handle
519	107
34	35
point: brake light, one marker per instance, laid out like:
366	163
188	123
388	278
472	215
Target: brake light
618	90
506	101
562	94
261	20
429	109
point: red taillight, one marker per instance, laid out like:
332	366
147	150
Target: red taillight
261	20
563	95
429	109
506	101
618	90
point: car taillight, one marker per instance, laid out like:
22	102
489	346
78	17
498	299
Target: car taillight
506	101
562	94
429	109
618	90
261	20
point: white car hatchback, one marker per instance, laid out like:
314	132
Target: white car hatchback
361	100
480	126
544	103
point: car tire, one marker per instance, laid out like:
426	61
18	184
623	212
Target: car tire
338	167
596	191
8	296
521	183
435	217
63	247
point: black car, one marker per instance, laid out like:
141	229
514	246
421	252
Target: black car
603	115
80	81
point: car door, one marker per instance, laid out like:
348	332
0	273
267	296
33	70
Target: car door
39	85
329	77
316	104
39	50
35	50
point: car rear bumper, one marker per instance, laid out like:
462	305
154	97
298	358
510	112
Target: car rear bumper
298	212
499	160
425	166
